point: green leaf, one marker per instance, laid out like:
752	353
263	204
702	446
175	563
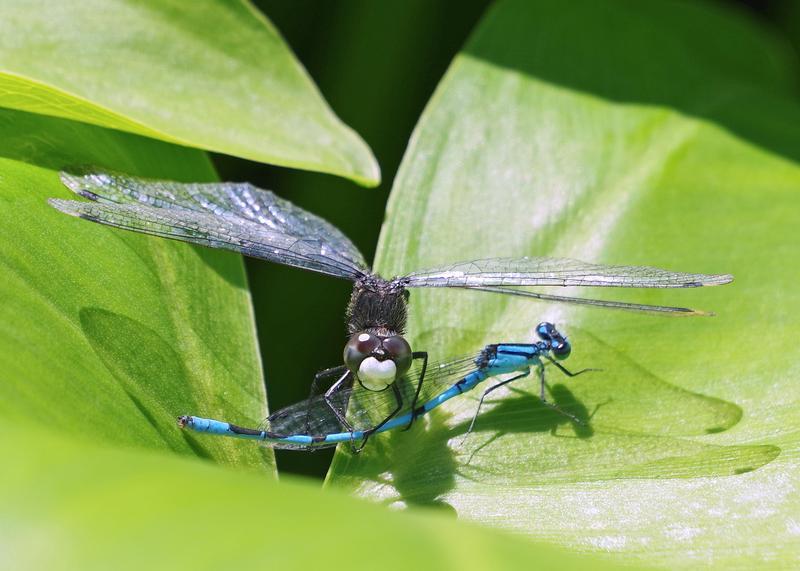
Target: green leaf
210	74
109	334
96	508
619	132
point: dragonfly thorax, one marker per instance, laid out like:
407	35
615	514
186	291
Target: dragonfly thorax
377	305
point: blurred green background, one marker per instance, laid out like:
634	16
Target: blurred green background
376	63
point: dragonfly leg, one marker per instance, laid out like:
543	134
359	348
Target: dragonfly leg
357	449
367	433
486	392
340	416
318	378
424	356
552	405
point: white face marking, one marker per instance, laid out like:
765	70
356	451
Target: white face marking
363	337
376	375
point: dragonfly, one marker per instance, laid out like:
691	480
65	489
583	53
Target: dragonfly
309	425
257	223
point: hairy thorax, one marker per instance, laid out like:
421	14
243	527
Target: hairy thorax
377	306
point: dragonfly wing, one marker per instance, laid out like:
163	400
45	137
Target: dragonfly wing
321	415
312	417
563	272
604	303
235	216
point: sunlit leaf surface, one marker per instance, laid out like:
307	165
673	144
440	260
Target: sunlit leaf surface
617	132
210	74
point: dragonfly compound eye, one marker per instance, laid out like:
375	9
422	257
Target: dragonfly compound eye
359	347
399	351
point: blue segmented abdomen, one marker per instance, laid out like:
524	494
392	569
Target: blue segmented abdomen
211	426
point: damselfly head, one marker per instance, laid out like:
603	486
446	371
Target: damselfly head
546	331
375	360
556	342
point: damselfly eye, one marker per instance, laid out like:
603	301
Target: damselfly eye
545	331
561	349
398	351
359	347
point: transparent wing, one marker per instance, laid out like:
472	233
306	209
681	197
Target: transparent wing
312	417
233	216
499	275
555	272
604	303
364	409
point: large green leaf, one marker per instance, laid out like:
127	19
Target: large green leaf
621	132
211	74
69	505
111	334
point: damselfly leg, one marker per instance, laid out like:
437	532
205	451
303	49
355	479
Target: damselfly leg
543	387
489	390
